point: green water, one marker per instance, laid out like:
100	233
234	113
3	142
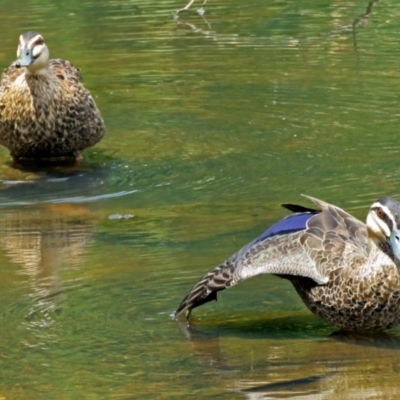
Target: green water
211	123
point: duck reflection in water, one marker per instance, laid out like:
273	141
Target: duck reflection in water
46	240
295	361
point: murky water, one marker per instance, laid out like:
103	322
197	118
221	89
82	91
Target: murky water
211	123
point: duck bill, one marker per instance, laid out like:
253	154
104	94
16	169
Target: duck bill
395	242
25	59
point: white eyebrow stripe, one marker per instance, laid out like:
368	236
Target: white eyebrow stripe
22	42
30	44
390	215
33	40
384	208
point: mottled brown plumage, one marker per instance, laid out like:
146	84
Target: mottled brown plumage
345	271
45	110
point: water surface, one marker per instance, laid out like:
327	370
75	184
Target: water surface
211	123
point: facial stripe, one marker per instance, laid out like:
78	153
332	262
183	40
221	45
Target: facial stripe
387	217
32	41
22	42
29	42
36	51
35	40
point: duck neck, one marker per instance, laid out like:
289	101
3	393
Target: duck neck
385	247
31	72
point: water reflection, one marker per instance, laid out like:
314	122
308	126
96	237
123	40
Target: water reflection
201	11
47	242
308	387
204	27
77	183
258	106
360	20
339	364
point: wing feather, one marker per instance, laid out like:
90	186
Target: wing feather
335	239
327	240
279	254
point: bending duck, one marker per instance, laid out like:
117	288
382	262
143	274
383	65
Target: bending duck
45	111
345	271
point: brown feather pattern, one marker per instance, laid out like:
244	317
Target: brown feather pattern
339	272
47	115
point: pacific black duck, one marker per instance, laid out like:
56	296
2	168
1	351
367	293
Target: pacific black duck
45	110
345	271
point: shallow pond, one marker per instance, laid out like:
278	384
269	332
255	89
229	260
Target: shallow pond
211	123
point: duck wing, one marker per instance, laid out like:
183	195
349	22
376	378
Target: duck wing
309	243
65	70
334	239
81	113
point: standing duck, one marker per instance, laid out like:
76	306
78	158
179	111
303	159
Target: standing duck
45	111
345	271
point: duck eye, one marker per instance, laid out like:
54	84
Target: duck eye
380	213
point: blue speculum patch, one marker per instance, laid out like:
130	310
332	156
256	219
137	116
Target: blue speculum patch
292	223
